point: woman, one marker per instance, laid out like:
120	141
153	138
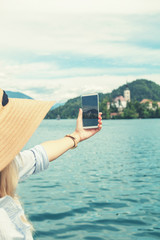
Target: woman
19	118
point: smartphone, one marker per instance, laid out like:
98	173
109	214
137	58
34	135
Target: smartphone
90	107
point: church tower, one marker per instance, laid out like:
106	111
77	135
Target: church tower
127	94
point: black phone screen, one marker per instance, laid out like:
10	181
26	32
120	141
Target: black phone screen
90	110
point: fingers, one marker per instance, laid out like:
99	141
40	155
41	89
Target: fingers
99	126
100	115
100	120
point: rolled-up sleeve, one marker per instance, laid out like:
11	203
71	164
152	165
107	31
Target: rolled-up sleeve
31	161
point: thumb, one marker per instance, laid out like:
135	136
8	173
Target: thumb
79	119
80	113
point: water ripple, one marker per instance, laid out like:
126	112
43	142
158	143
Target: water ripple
55	216
121	221
107	205
106	189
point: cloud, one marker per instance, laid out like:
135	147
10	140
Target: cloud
67	48
108	36
63	88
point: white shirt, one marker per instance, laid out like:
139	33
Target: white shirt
11	226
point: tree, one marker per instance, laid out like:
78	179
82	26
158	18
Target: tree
157	113
103	108
130	111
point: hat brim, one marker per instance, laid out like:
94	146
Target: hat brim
18	121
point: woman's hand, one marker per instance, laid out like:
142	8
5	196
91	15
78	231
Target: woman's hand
80	133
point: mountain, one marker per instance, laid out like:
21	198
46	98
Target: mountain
24	96
57	105
140	89
17	95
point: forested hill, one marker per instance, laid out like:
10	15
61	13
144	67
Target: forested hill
140	89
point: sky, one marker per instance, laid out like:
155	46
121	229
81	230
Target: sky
60	49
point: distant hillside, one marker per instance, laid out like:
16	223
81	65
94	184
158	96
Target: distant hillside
68	110
17	95
57	105
140	89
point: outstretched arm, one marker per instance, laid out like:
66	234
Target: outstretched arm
56	148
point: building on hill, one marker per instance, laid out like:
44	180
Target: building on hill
120	103
150	103
108	105
127	94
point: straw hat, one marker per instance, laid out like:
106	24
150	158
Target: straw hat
19	118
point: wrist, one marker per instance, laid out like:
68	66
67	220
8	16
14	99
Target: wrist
73	139
76	136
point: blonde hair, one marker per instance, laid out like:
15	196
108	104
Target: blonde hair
8	184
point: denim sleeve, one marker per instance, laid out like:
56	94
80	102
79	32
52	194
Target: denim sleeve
31	161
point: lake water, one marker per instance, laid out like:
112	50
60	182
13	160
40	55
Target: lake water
107	188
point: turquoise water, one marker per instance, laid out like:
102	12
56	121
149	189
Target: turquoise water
107	188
